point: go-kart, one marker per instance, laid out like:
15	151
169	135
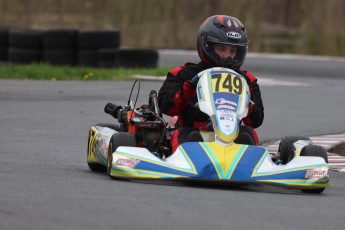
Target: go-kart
138	146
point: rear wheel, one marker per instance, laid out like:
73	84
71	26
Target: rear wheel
314	151
286	148
118	139
109	125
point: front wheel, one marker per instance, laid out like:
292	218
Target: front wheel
117	140
314	151
286	148
94	166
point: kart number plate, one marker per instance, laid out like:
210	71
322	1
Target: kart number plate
225	82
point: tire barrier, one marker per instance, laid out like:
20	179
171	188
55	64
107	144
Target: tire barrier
96	48
60	56
4	43
107	58
60	47
60	39
27	39
24	56
87	57
98	39
3	54
91	42
143	58
25	46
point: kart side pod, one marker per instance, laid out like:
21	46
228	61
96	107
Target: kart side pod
223	94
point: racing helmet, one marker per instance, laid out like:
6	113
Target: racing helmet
222	29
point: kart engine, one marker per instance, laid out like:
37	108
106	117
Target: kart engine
145	123
148	129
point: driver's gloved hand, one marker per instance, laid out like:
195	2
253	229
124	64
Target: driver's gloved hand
189	87
195	80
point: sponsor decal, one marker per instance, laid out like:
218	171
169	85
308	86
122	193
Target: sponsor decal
126	162
226	107
102	144
234	35
222	103
316	173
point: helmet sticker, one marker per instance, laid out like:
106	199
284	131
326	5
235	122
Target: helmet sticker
235	23
229	23
233	35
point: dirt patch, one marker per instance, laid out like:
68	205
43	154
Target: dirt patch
338	149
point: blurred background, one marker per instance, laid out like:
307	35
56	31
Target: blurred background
312	27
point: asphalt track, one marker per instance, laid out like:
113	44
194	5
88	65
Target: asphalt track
45	182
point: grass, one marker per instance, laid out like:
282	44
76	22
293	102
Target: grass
41	71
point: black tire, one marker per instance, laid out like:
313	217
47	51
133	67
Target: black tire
4	36
95	167
107	58
315	151
140	58
24	56
60	56
60	39
109	125
3	53
29	39
98	39
286	148
87	57
245	136
118	139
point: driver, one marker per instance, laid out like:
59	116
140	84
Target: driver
221	42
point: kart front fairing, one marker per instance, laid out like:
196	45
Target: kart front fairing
210	160
224	96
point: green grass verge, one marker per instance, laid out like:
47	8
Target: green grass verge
41	71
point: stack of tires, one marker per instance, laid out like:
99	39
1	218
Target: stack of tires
60	47
92	43
95	48
144	58
3	44
25	46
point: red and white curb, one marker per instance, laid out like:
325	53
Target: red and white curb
335	161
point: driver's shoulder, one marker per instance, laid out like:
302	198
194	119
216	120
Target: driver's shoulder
250	77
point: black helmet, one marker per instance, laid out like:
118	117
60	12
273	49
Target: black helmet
224	30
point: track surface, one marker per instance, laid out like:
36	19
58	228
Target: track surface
45	182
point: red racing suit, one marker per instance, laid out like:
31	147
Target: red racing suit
177	91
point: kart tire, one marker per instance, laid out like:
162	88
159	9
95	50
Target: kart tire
95	167
115	127
315	151
118	139
286	148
